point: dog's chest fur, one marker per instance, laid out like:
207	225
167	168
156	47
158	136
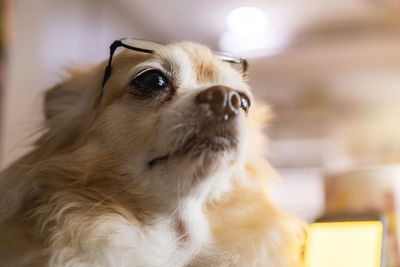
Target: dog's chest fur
171	241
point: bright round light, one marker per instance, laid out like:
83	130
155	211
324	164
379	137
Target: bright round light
245	47
247	21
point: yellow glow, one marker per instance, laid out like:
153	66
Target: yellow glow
344	244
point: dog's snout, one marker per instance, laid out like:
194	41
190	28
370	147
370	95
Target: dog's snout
223	100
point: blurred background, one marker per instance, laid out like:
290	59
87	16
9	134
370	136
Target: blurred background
329	69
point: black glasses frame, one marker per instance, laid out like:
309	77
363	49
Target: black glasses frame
119	43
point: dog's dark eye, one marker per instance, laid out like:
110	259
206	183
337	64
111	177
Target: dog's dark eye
150	81
244	102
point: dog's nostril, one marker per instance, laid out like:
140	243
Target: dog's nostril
204	97
234	100
218	98
223	101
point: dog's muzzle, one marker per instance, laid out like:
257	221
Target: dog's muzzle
216	131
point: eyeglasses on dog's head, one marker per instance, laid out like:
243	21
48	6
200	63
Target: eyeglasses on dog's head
150	47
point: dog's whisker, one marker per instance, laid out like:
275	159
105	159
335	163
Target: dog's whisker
176	113
111	195
180	126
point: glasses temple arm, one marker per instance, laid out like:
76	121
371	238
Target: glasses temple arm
107	72
245	65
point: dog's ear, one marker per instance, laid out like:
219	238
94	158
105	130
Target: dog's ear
68	94
70	107
59	99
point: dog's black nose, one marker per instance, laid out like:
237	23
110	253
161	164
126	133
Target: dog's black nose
223	100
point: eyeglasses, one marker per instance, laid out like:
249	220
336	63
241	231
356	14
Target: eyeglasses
151	47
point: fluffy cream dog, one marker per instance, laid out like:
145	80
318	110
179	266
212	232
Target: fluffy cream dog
163	166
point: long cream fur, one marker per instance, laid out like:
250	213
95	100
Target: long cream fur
85	195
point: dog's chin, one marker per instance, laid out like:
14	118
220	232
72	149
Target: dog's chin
203	146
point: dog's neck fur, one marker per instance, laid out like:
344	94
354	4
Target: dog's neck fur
184	225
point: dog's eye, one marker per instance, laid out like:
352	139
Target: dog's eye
150	81
244	102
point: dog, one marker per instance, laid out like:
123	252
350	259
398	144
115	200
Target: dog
161	163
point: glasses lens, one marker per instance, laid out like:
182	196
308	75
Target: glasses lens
151	46
141	44
237	63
